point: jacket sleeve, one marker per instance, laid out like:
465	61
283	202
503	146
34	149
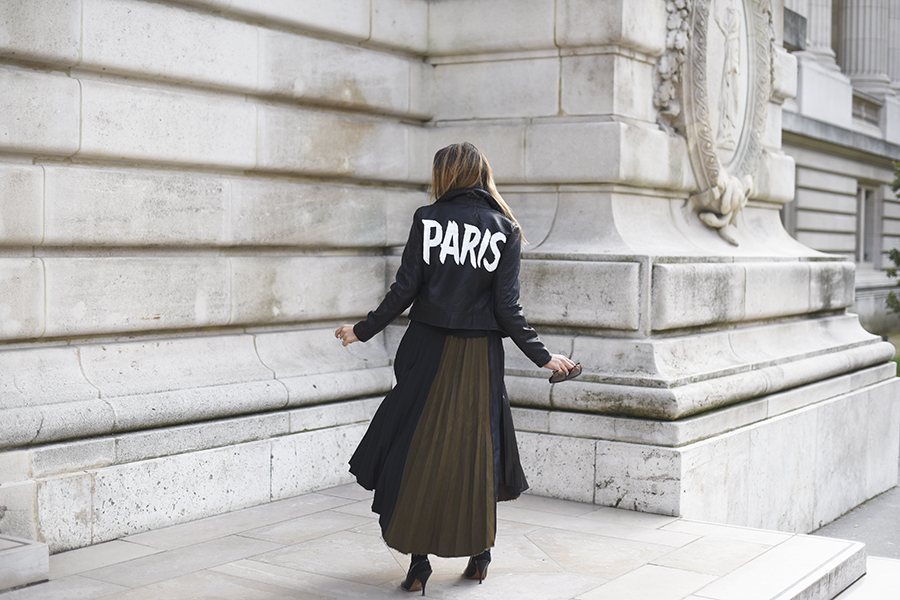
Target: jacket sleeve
402	292
507	310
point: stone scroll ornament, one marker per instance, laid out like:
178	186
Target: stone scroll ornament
715	81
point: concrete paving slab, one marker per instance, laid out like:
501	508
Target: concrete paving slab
73	587
95	557
324	545
203	530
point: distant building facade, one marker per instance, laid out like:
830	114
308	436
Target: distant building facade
843	131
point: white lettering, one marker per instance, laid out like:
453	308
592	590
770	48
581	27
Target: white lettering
430	241
495	239
450	245
471	237
474	247
485	241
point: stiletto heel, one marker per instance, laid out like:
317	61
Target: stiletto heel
478	565
417	576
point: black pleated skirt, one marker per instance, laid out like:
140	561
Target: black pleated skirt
441	449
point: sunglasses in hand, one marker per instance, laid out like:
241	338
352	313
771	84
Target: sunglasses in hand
559	376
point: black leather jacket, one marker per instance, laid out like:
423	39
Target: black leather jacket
461	268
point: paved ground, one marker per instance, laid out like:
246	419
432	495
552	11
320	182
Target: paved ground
328	545
877	523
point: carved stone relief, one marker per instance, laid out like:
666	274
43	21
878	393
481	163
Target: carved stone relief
714	89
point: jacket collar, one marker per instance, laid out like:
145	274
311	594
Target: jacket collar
476	193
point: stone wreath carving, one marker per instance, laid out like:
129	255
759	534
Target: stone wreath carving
725	139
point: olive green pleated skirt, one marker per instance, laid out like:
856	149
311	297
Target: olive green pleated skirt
436	454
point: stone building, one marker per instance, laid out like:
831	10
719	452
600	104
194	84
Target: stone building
194	193
843	131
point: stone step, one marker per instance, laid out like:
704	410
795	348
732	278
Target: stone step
22	562
882	580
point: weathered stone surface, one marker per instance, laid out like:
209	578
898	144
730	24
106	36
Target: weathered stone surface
72	456
784	74
64	510
776	289
21	298
168	441
333	415
596	294
317	143
21	205
781	473
288	353
883	411
528	87
123	122
400	24
535	208
775	182
124	369
30	377
19	426
144	411
67	420
638	24
607	84
343	18
20	515
312	461
525	27
47	31
502	143
164	42
139	294
831	285
297	66
281	213
15	465
558	466
272	290
113	207
155	493
327	387
399	209
642	478
824	94
696	294
41	113
590	151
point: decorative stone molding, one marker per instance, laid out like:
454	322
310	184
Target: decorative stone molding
715	86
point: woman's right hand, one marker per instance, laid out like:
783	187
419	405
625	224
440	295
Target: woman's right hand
346	334
558	362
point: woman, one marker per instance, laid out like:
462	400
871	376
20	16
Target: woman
441	449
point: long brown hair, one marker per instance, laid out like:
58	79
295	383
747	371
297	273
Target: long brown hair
464	166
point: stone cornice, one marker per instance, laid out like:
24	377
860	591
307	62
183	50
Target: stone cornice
797	127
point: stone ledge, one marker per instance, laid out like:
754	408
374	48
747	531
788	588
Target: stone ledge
171	475
791	472
54	459
670	378
690	429
22	562
124	386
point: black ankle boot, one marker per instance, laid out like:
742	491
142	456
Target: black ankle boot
477	567
418	574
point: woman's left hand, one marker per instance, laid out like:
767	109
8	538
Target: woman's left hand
558	362
346	334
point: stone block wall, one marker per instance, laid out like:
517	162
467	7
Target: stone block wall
192	195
